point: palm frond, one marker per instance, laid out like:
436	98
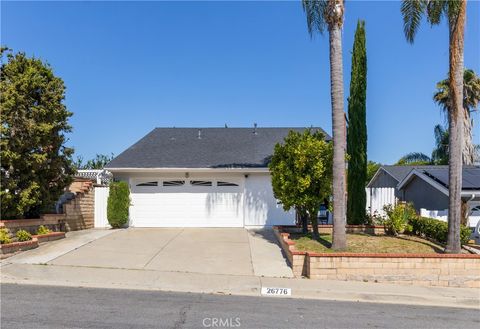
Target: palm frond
412	12
452	9
414	158
441	135
435	9
315	13
476	154
440	152
471	90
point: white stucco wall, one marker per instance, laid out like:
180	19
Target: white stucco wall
257	204
261	208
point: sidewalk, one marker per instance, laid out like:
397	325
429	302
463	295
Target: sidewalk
55	249
58	275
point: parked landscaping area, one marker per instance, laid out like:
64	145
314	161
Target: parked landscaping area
365	243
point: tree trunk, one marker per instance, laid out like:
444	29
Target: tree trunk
468	152
455	118
465	212
338	128
314	222
302	220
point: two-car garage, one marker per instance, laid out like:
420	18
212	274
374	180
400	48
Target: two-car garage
183	202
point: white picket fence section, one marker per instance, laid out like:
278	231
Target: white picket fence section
442	215
437	214
377	197
100	214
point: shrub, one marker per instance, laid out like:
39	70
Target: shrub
397	221
374	219
23	235
118	203
4	237
436	229
43	230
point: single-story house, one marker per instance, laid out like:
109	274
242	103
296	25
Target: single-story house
208	177
424	186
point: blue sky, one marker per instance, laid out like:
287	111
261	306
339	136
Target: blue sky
133	66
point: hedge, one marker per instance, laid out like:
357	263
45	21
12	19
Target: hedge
118	203
436	229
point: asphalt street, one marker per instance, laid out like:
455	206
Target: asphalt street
29	306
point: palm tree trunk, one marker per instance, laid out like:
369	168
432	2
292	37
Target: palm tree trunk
455	117
468	152
338	127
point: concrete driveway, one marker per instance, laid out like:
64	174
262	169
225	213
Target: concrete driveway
228	251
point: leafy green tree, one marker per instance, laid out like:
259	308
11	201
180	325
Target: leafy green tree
301	170
321	15
455	13
357	131
118	203
99	162
471	97
372	168
36	165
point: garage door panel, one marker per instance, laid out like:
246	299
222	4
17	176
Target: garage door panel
187	206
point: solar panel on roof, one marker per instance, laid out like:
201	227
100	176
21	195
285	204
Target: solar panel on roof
470	177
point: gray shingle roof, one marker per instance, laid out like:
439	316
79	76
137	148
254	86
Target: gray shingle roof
217	148
470	174
400	172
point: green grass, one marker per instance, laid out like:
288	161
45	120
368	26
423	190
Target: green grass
363	243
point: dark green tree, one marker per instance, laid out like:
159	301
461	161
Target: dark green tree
357	131
36	165
301	170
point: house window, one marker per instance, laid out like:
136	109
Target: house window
173	183
200	183
148	184
226	184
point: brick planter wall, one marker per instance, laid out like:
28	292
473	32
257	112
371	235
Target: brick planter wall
424	270
461	270
52	236
54	222
11	248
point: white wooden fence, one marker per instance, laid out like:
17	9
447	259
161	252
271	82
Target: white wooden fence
377	197
100	214
442	215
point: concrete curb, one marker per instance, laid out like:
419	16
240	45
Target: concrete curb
92	277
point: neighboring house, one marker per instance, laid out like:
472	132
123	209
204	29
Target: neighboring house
424	186
208	177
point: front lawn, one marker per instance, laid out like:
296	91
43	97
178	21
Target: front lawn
363	243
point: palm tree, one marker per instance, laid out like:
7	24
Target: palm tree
471	97
439	153
455	12
328	14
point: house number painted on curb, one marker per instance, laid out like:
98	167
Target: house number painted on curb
276	291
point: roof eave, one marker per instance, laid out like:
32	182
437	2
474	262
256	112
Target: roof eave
242	170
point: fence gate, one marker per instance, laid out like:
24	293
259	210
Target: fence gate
100	215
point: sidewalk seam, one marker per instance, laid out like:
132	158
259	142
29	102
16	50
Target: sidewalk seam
161	249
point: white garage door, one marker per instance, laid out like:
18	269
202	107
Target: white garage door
187	203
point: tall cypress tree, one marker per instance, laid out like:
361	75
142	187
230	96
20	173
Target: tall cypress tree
357	131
